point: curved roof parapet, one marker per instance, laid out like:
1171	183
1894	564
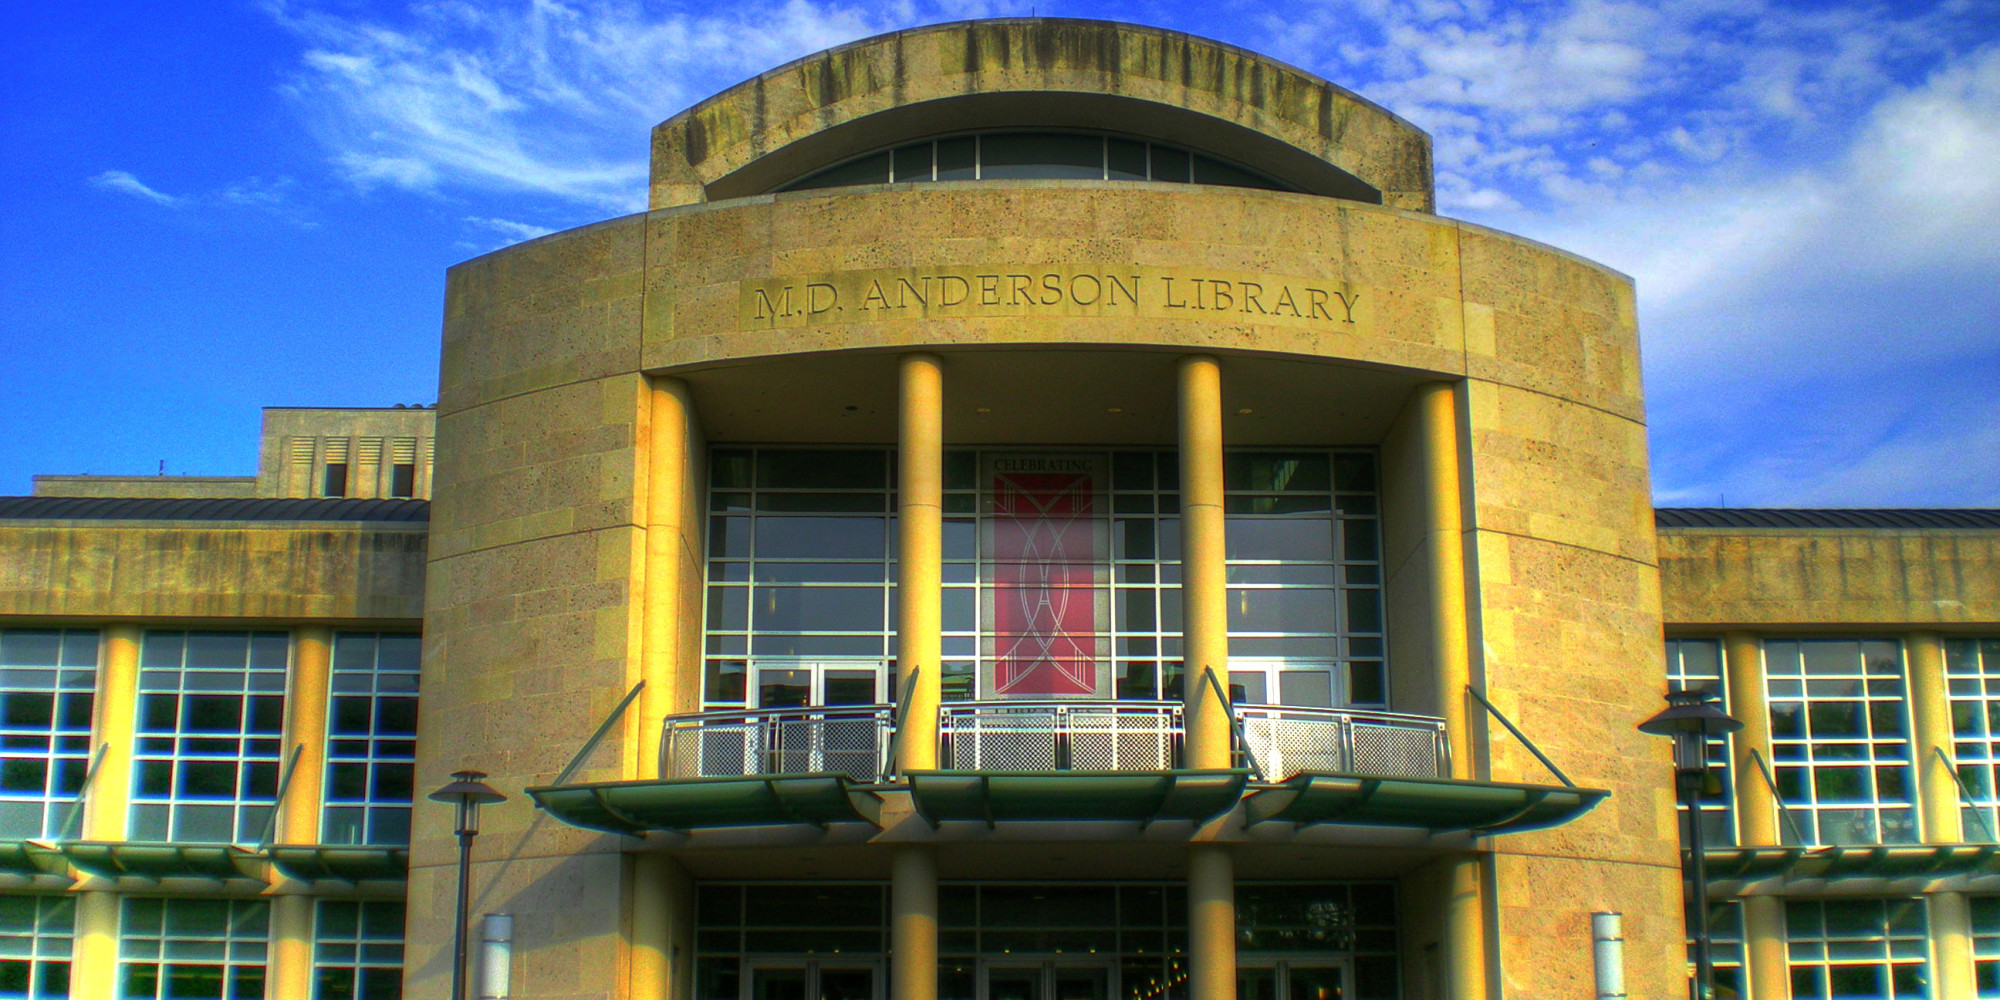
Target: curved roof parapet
1040	73
1802	517
210	509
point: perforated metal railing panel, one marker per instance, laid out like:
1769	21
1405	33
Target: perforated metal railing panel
853	741
1286	741
1079	736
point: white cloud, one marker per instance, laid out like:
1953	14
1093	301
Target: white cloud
124	183
514	231
546	97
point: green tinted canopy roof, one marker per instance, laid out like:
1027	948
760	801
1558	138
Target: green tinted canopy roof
1131	796
1435	804
635	807
158	861
343	863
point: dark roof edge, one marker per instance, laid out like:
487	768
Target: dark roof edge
1954	518
212	509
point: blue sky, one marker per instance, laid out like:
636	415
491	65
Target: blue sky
214	206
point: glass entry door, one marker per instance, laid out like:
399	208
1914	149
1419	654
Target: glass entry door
1292	979
1294	683
806	683
809	980
1053	979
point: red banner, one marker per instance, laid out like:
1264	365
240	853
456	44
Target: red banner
1045	565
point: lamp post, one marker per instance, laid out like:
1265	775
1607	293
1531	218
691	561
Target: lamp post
468	793
1692	718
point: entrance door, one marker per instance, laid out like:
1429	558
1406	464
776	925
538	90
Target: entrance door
1296	683
780	979
809	683
1050	979
1292	979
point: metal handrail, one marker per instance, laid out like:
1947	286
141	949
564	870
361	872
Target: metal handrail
1339	753
1061	735
757	741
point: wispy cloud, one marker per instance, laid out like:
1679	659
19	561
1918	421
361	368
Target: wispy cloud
124	183
541	97
514	231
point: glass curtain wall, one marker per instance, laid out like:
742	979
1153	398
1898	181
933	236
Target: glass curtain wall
1842	948
1695	664
37	934
1972	678
211	724
1061	577
48	682
371	738
193	949
1840	738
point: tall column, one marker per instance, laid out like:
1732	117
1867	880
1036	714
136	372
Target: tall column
1444	550
1465	931
1204	574
306	699
1938	801
93	969
289	972
662	928
1951	945
1767	971
920	557
107	802
668	461
913	923
1756	806
1211	923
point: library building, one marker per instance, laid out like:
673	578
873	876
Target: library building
1035	509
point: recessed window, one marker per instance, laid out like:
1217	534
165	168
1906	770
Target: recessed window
335	481
992	156
47	683
371	738
403	480
211	725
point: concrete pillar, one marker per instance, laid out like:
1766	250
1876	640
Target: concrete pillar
913	923
1951	945
1465	931
1756	807
1937	795
662	966
93	969
920	557
289	970
108	799
1767	971
306	697
1204	575
1444	551
668	465
1211	923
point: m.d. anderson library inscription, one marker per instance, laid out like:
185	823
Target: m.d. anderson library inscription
1051	289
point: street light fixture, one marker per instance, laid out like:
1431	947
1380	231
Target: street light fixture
468	793
1692	718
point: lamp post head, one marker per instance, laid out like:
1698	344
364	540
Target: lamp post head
468	793
1691	718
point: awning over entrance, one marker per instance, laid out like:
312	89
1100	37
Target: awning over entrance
635	807
1436	804
1076	796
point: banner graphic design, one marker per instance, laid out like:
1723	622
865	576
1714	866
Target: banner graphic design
1046	601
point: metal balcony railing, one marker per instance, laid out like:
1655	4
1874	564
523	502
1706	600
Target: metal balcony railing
1285	741
831	739
1061	735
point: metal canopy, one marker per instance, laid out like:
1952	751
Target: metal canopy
158	861
1077	796
635	807
1434	804
1849	862
343	863
30	857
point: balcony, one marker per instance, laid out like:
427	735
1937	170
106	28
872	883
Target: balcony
848	740
1059	762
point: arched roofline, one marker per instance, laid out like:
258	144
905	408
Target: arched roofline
1040	72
